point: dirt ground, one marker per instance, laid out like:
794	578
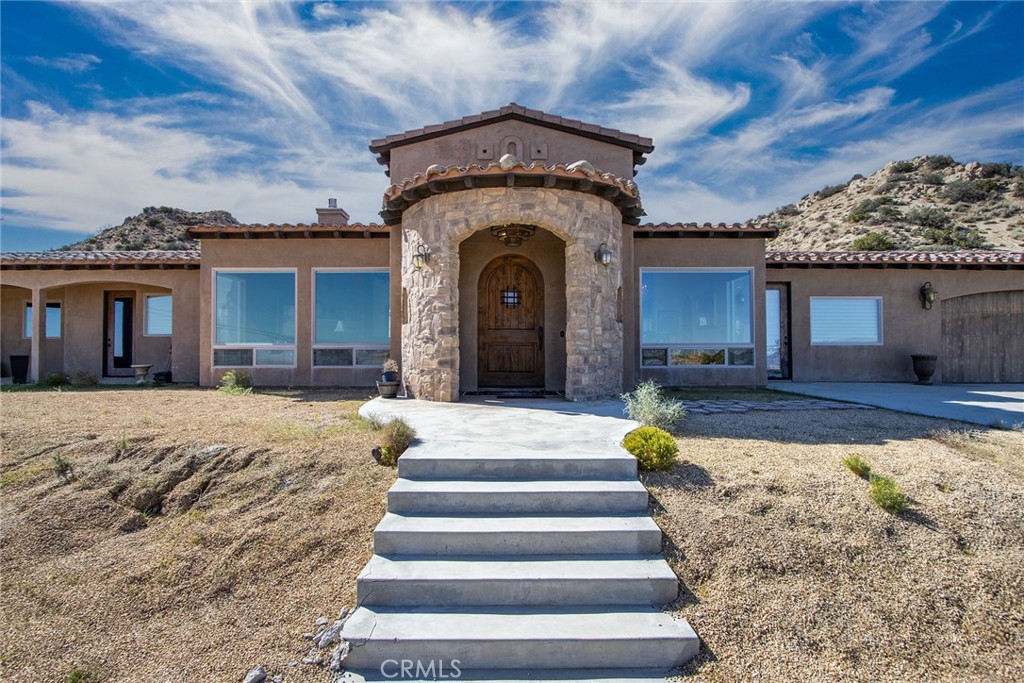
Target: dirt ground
791	573
203	533
249	544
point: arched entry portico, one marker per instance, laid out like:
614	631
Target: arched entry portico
433	320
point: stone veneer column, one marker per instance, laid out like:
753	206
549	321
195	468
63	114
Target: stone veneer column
430	317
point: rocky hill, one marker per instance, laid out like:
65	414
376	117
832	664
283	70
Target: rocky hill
155	228
925	204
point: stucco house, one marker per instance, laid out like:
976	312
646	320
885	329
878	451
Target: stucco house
512	253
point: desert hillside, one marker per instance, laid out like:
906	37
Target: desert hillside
924	204
155	228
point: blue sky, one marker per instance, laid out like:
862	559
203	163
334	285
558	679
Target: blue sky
266	109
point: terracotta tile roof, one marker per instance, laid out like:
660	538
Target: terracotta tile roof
256	230
895	259
152	258
640	145
580	176
704	230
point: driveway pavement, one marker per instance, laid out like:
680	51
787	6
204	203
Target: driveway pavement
984	404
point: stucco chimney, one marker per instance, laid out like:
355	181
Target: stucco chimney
332	215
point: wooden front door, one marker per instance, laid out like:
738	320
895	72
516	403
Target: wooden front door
511	324
120	333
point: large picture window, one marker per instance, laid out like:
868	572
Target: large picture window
254	318
696	316
52	320
846	320
352	317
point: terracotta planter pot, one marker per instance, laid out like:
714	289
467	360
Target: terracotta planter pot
924	367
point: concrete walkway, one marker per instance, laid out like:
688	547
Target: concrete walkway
983	404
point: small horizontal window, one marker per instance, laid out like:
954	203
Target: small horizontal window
332	357
232	357
371	356
275	357
846	320
697	356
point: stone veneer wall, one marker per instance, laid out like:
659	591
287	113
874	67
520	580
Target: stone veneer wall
430	310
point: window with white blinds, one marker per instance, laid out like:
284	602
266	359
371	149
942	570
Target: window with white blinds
846	320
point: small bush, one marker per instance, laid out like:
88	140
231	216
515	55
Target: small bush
236	383
788	210
857	176
963	191
63	468
960	237
858	216
830	190
933	178
890	213
930	217
887	494
1018	189
858	465
873	241
904	167
995	170
396	437
83	378
939	161
647	405
55	379
654	448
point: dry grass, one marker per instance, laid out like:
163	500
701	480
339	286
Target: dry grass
791	573
164	559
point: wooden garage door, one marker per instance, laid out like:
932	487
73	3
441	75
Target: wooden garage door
983	338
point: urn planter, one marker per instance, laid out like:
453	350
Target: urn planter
388	389
924	367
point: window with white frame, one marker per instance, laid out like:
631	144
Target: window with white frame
52	320
351	317
254	318
846	320
696	317
158	315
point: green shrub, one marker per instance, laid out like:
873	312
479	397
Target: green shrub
887	494
904	167
788	210
654	448
830	190
396	437
873	241
933	178
959	237
55	379
83	378
651	408
858	216
939	161
858	465
236	383
930	217
964	191
63	468
995	170
890	213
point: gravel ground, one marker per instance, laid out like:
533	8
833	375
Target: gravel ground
791	573
251	544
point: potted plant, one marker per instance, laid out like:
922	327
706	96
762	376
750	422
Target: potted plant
388	384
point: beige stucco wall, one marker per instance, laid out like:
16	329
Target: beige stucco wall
460	148
432	345
548	252
668	252
83	342
302	255
907	328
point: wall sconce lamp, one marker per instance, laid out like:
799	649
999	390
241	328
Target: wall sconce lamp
928	295
603	255
421	257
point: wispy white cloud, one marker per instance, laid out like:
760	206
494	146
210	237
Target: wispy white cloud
73	63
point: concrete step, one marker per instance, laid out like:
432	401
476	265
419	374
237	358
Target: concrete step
435	672
519	638
431	464
521	535
508	496
547	580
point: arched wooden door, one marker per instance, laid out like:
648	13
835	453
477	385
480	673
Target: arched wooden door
511	324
